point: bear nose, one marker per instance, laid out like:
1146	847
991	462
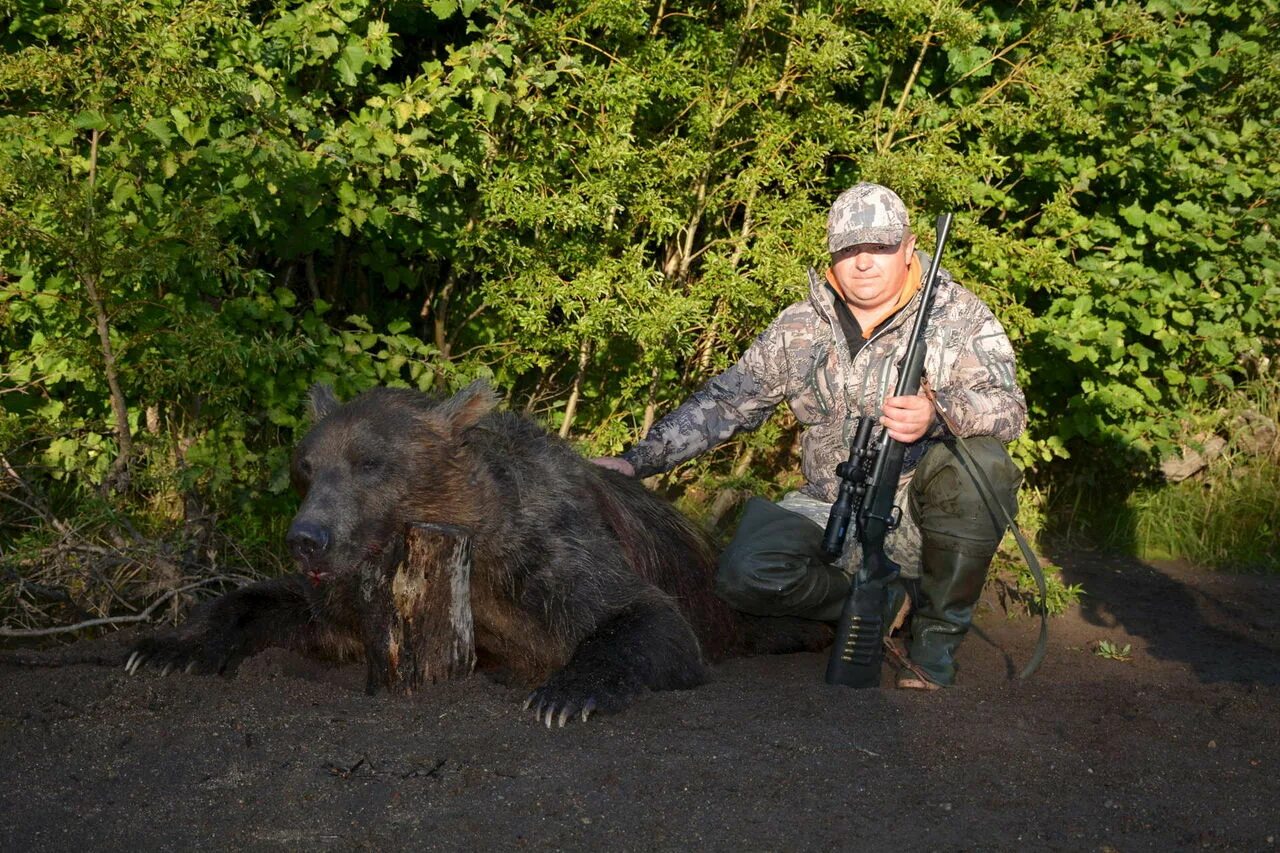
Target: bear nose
307	539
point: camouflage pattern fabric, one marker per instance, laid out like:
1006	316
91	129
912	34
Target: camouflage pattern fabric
802	359
866	213
902	544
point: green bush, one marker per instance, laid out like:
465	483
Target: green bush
207	206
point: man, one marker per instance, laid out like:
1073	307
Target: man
834	358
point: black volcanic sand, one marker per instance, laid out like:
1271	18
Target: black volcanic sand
1177	748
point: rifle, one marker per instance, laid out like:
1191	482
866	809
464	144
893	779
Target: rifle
868	481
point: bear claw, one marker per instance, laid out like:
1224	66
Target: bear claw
554	713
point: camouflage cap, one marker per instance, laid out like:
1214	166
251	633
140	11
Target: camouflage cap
866	213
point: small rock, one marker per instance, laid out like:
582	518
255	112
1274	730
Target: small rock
1254	433
1191	461
1187	465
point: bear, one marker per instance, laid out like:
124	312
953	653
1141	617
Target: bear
584	584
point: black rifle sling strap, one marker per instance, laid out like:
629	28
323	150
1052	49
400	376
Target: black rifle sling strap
988	493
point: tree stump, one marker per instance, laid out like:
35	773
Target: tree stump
416	614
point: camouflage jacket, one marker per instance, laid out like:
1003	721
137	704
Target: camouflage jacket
803	359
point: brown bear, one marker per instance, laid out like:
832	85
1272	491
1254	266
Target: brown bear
582	582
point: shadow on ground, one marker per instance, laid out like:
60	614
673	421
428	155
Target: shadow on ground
1223	627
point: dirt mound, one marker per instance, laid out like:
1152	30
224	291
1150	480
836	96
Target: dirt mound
1176	747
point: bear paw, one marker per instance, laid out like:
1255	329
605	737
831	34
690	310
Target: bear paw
568	695
192	653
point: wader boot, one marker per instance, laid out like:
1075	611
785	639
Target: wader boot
774	567
959	535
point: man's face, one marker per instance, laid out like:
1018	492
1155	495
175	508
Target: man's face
872	276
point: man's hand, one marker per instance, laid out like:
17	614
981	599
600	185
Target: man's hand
615	463
907	419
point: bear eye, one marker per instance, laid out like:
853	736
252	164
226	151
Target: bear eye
304	468
369	465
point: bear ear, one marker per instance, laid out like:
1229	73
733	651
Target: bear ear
464	409
321	402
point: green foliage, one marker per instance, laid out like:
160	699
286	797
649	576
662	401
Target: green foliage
207	206
1165	208
1223	517
142	145
1228	516
1108	650
1228	520
1018	591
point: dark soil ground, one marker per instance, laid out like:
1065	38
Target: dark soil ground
1176	748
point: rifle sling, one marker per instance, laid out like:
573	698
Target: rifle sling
987	491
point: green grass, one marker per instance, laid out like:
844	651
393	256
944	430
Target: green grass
1228	518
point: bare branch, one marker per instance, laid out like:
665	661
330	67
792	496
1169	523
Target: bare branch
887	139
109	620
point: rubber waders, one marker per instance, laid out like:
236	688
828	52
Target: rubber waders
959	535
774	567
952	574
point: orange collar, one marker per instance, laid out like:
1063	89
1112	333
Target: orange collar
909	288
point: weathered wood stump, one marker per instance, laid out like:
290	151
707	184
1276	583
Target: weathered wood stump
416	609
